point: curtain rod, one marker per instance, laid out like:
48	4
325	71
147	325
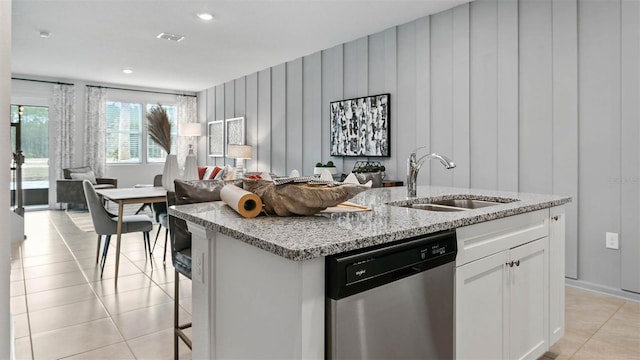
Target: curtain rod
146	91
42	81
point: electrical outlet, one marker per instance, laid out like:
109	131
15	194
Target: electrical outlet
199	266
612	241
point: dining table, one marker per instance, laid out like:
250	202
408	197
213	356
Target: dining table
134	195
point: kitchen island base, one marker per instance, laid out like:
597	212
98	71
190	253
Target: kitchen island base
252	304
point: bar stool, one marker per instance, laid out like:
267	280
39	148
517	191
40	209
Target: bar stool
181	258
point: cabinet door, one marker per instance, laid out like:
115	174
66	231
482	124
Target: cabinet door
480	302
528	300
556	274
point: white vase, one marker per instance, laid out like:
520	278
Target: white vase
171	172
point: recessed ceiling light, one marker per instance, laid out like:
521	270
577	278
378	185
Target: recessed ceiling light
170	37
205	16
44	34
127	71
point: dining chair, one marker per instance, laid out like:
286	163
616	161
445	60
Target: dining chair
162	218
106	225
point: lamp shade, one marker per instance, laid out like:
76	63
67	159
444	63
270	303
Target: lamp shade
190	129
236	151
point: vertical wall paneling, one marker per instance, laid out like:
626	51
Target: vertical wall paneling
599	142
211	115
461	155
441	97
229	99
508	95
406	94
220	114
229	110
251	119
356	79
279	119
630	132
565	121
264	120
240	98
382	79
525	95
332	90
312	135
422	133
483	138
391	82
536	97
294	115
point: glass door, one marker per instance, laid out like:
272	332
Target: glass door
34	142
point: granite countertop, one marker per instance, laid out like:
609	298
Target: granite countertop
307	237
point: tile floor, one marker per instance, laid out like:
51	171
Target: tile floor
62	309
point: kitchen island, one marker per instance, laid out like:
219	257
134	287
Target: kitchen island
259	284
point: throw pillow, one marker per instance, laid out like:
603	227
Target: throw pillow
220	174
89	175
230	173
201	171
215	172
211	172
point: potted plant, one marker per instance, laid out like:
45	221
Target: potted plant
328	166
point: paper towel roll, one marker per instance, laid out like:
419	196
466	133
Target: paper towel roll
245	203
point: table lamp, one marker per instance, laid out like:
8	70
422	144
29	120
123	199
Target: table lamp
191	131
240	153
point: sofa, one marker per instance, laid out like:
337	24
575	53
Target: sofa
69	190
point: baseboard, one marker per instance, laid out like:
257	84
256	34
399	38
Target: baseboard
585	285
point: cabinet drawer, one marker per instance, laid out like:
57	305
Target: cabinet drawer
483	239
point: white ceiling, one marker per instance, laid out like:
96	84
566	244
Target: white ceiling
94	40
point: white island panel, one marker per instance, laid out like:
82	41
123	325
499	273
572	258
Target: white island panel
261	305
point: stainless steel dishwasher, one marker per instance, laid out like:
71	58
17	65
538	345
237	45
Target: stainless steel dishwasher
392	302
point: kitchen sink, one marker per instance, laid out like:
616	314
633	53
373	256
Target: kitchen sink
465	203
432	207
450	205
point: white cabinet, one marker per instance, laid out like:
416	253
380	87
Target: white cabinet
502	288
556	273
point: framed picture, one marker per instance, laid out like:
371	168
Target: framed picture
234	131
215	134
360	127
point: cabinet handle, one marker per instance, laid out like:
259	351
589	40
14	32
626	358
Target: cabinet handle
555	218
510	263
517	262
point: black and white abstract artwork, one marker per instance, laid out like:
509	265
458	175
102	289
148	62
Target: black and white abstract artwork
234	131
216	138
360	127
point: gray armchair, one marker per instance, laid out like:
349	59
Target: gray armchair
70	191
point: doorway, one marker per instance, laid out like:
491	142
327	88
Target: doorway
33	122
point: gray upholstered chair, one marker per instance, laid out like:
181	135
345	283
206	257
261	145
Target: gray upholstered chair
70	191
106	225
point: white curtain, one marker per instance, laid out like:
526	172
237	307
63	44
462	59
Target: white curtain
187	113
95	130
63	116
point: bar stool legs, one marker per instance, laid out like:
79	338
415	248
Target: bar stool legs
177	327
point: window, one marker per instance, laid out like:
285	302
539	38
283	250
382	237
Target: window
126	129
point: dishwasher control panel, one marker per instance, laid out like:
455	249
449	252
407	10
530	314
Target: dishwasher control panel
356	271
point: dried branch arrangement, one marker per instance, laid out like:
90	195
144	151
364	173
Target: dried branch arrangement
159	127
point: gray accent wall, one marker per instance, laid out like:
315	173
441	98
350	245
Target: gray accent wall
530	95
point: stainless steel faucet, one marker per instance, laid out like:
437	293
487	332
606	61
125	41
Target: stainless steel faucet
413	167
